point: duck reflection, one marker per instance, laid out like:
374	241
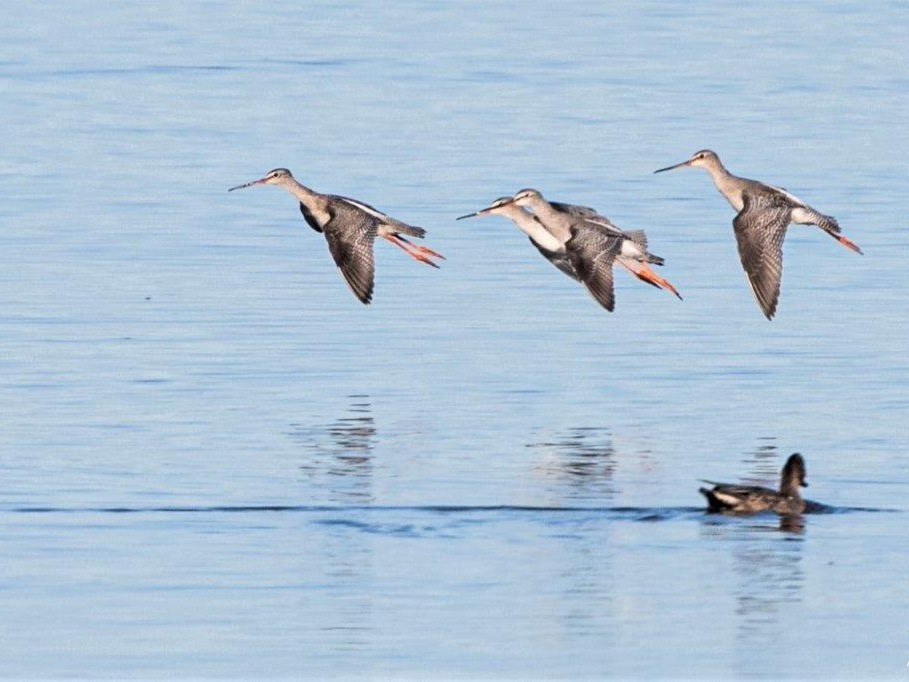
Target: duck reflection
792	523
766	582
339	456
767	573
770	581
580	464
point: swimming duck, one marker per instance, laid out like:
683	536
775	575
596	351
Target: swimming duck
746	499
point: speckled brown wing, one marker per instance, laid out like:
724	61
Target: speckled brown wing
351	234
760	228
575	210
592	253
587	215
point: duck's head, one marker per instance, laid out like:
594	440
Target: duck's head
793	475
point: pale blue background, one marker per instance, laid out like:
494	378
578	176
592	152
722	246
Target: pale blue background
185	355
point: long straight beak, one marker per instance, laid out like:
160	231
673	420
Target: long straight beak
482	211
499	203
260	181
678	165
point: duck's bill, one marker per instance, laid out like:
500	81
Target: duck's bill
678	165
260	181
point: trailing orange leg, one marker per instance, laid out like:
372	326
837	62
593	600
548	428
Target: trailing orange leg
645	273
425	250
848	243
420	253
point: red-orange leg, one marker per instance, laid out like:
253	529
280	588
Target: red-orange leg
409	248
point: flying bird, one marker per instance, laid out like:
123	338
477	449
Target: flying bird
350	228
764	213
593	243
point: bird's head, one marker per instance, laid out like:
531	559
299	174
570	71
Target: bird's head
277	176
498	207
527	196
704	157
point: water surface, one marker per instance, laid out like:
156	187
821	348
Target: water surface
215	462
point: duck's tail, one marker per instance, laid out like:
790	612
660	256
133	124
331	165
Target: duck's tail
714	504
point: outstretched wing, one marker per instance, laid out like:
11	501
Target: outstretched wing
393	224
586	214
350	234
362	206
760	228
574	210
592	252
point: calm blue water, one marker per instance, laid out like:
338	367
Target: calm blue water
214	462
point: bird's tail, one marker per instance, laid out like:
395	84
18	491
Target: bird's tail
654	259
398	227
639	239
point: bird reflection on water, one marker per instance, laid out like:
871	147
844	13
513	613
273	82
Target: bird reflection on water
338	461
339	455
581	464
762	463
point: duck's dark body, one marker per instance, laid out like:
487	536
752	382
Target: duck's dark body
748	499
